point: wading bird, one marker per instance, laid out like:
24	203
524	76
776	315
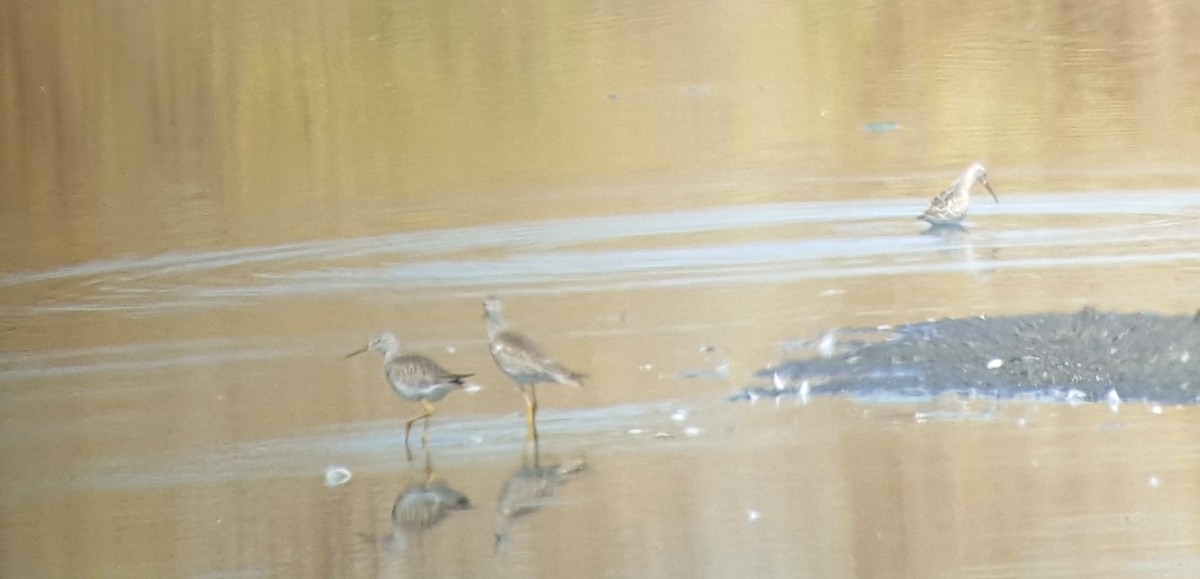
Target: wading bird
413	377
523	361
950	206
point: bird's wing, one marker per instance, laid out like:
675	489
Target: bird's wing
520	355
421	371
945	203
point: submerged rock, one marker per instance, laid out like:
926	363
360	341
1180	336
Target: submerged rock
1144	356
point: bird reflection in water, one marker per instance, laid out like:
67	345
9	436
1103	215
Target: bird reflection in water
421	506
959	245
529	489
950	231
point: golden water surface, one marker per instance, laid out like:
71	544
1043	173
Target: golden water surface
205	205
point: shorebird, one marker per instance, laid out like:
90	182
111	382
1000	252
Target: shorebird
950	206
524	361
413	377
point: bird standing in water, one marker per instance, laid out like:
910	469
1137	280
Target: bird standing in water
413	377
950	206
523	361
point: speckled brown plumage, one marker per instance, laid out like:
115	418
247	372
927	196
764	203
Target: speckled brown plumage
950	206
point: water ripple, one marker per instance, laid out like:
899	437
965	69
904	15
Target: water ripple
789	241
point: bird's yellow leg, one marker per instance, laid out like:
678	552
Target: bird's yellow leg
531	411
425	426
407	428
425	415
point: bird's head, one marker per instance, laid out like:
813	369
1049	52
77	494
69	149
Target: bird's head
978	173
382	342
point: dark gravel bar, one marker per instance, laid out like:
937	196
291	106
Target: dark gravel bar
1083	355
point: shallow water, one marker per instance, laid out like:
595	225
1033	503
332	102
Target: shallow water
668	198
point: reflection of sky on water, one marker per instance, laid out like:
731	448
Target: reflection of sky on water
800	241
371	446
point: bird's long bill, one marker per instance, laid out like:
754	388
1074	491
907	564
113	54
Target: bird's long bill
989	188
358	351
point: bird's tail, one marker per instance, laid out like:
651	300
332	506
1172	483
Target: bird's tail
572	378
460	380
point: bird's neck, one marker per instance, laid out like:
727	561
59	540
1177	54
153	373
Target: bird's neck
495	326
391	354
